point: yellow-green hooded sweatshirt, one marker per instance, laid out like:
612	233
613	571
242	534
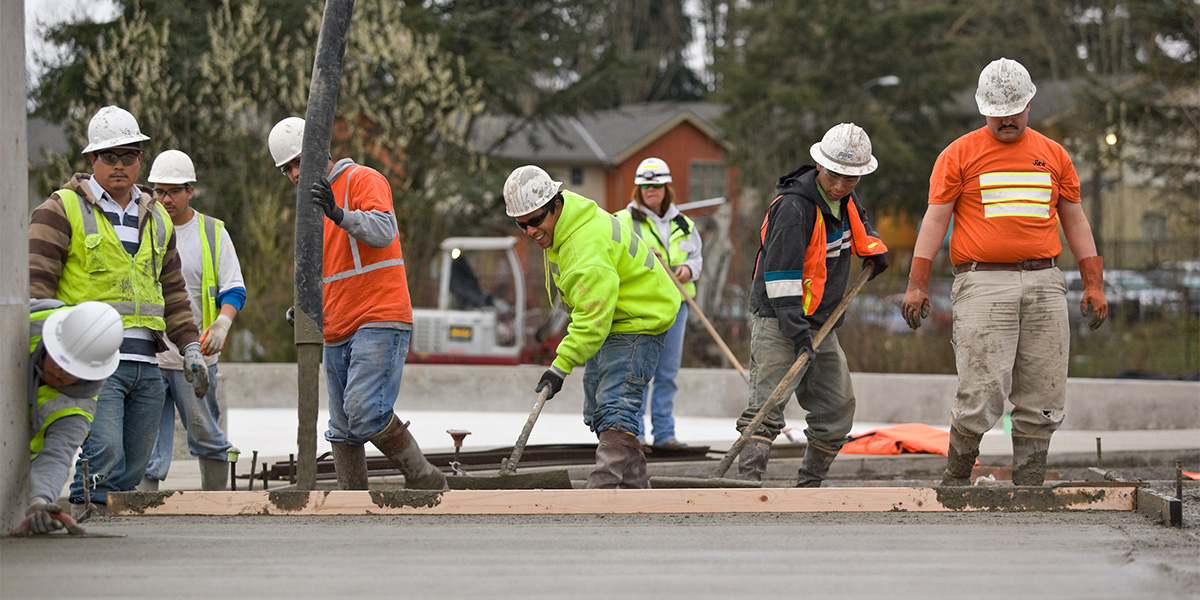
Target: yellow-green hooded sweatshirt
607	279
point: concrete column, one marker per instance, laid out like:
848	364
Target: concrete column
14	269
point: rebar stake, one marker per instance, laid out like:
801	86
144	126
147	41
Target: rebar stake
1099	455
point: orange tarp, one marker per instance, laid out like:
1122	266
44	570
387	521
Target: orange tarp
898	439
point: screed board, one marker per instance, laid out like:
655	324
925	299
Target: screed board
508	502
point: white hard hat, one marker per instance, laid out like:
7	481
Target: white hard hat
527	189
845	150
172	166
112	127
286	140
1004	88
85	340
652	170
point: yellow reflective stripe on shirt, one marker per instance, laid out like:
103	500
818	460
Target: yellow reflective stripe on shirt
1023	194
1017	209
1032	178
1016	194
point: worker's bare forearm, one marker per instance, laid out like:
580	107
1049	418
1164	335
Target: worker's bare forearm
933	230
1076	229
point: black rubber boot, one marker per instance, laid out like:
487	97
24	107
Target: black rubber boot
350	466
960	458
1029	460
752	460
814	467
620	463
401	448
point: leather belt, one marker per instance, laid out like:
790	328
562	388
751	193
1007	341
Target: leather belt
1034	264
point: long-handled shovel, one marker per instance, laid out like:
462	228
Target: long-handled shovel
508	478
707	325
717	478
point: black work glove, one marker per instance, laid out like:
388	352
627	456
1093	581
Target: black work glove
290	315
878	264
322	196
805	345
550	378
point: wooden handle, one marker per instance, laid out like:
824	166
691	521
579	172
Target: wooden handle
797	368
707	325
510	464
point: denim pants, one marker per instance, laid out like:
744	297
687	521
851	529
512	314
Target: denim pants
363	377
199	416
1011	342
663	387
615	379
123	432
823	389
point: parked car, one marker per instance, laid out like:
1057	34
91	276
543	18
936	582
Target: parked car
1130	295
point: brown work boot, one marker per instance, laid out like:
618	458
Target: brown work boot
752	460
960	458
814	467
620	463
401	448
350	466
1029	460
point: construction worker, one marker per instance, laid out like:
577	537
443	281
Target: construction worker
72	350
1007	187
621	301
808	236
367	315
214	282
103	238
653	216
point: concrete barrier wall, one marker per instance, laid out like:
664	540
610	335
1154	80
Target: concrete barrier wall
1092	404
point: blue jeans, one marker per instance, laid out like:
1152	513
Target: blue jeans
363	378
199	416
123	433
663	387
615	379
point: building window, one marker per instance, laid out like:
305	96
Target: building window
576	176
706	180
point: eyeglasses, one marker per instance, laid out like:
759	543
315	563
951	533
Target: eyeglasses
536	220
160	192
111	158
646	186
288	168
847	179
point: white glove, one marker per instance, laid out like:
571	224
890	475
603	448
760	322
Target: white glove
194	369
212	340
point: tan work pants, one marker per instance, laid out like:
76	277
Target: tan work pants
1011	342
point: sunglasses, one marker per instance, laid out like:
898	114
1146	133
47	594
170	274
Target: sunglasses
111	158
160	193
536	220
646	186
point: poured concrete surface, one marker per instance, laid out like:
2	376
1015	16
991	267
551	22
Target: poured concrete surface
887	555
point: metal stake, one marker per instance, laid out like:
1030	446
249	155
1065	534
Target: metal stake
1099	456
1179	480
253	471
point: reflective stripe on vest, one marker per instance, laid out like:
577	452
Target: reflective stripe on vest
674	254
99	268
210	251
359	269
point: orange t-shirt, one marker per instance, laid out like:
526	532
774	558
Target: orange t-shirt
1006	195
362	284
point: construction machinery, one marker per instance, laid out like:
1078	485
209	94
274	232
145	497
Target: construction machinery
471	324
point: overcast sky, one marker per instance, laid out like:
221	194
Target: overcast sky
40	13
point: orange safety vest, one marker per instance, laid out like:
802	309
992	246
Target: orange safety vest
361	284
815	271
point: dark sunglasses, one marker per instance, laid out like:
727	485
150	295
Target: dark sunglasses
111	158
159	192
536	220
646	186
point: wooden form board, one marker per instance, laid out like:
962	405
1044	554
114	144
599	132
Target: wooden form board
721	500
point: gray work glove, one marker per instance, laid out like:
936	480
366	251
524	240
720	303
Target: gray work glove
39	518
194	369
322	196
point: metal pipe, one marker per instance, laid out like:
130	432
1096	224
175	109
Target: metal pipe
310	223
